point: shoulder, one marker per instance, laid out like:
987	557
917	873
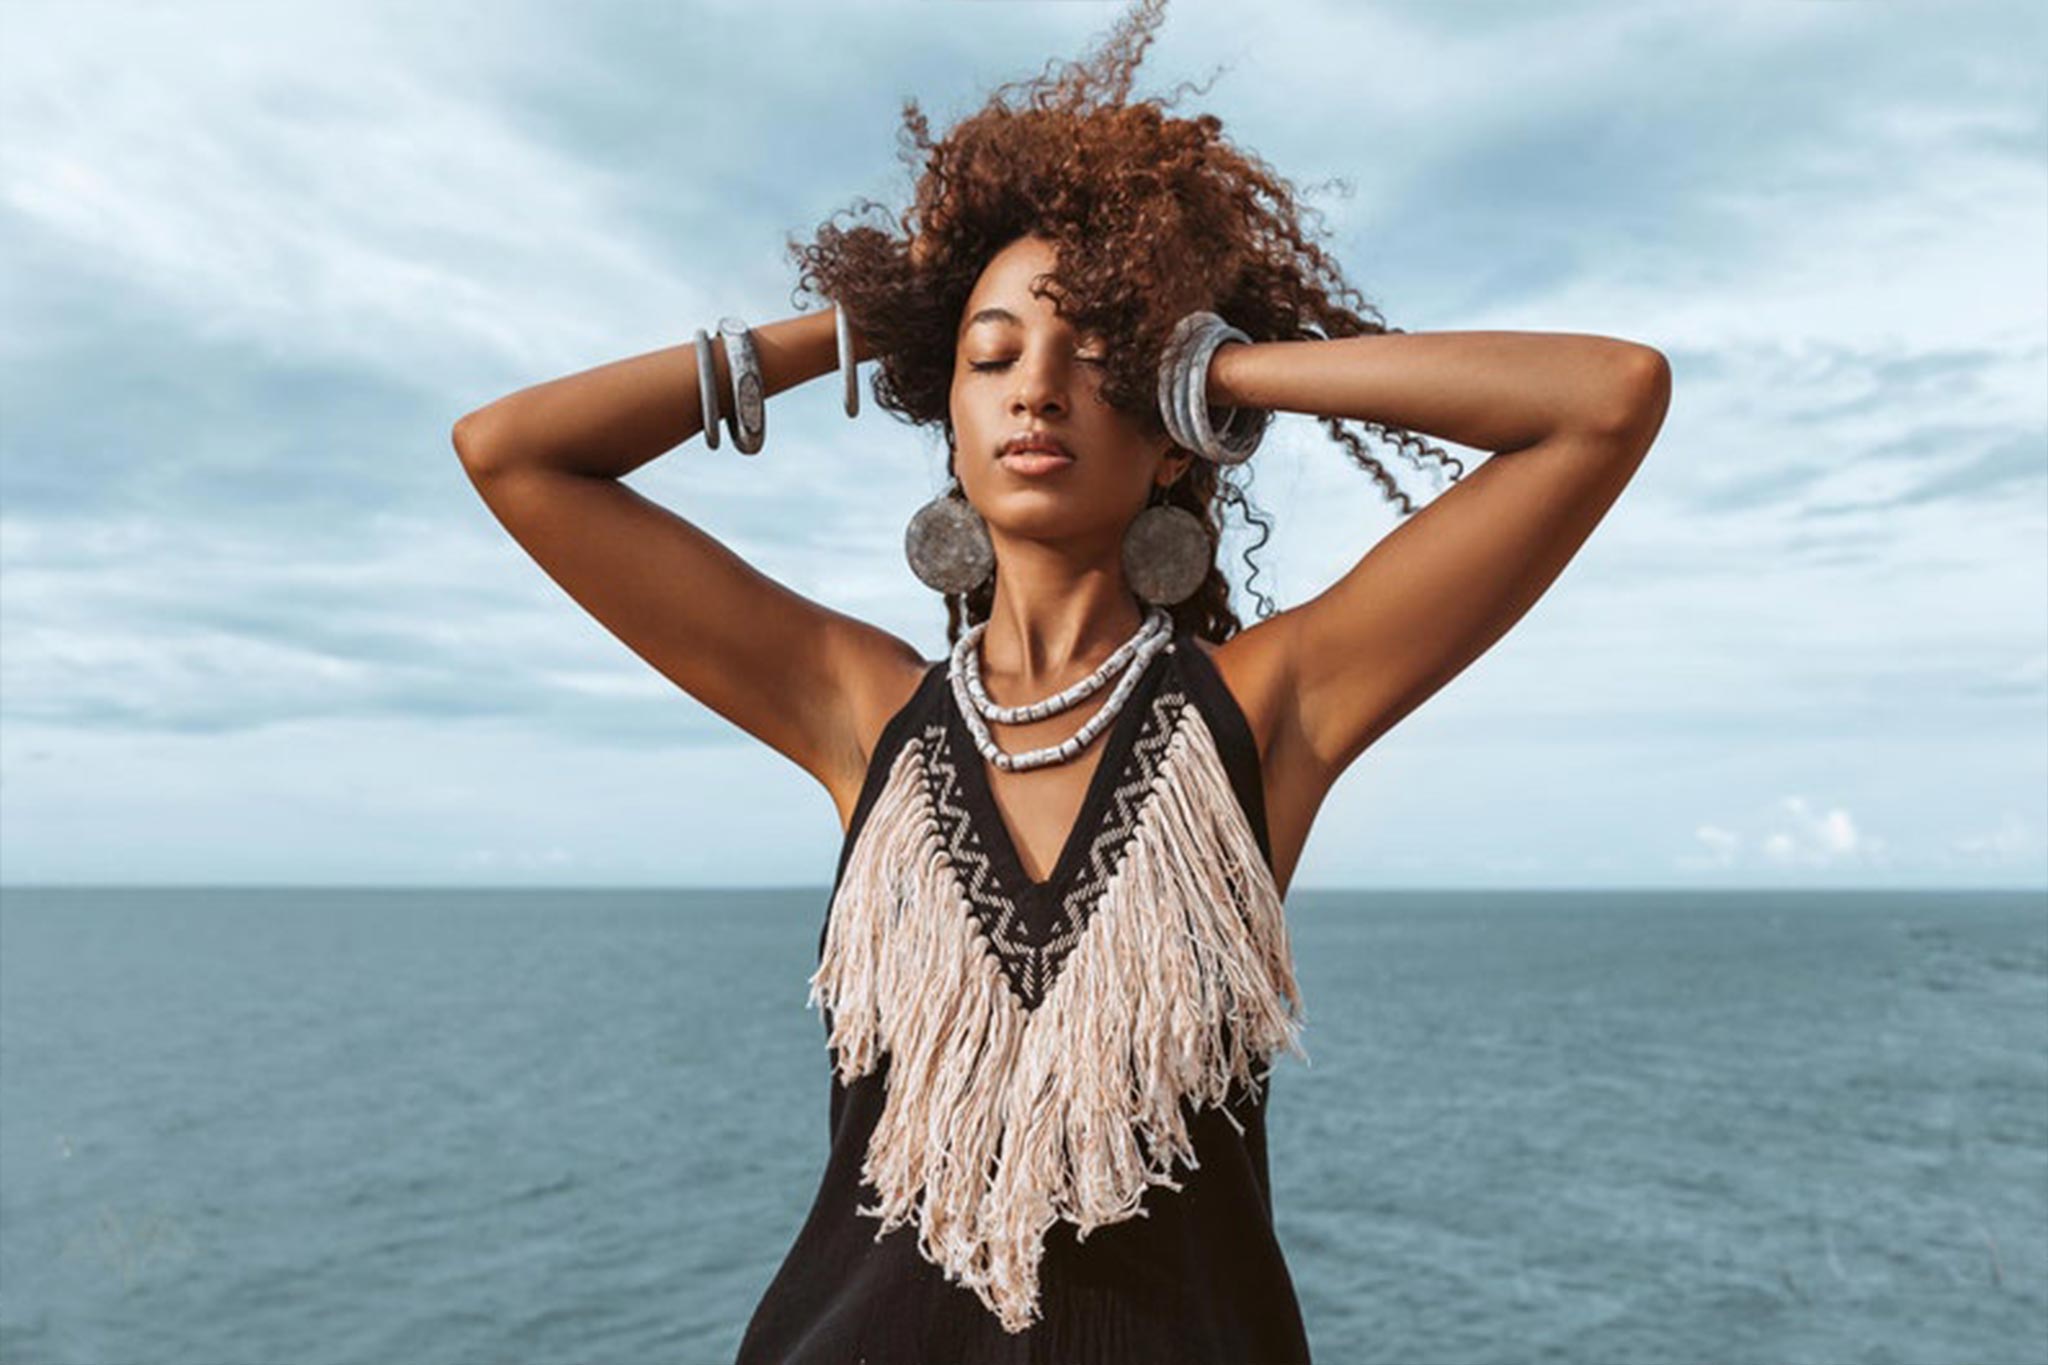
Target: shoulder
1253	666
1257	665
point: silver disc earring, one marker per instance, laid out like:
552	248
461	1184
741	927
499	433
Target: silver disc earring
947	545
1166	552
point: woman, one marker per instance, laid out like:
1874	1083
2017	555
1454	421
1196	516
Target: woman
1054	963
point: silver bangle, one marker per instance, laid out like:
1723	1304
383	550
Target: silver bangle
707	387
1184	385
749	416
844	328
1173	403
1169	387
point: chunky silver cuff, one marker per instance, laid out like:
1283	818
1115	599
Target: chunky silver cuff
1184	389
749	416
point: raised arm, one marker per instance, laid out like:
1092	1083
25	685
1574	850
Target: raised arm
1569	418
548	461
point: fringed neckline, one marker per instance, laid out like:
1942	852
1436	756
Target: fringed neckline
1032	925
1039	1072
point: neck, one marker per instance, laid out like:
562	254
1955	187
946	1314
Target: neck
1040	637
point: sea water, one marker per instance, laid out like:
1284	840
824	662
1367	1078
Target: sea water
432	1127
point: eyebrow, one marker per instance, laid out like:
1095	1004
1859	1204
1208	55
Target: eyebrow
994	315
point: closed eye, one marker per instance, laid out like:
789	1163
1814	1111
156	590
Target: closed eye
1002	364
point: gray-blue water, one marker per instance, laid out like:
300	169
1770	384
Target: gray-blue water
435	1127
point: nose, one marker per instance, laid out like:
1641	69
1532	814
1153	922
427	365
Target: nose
1038	388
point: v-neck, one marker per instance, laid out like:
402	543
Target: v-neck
1117	743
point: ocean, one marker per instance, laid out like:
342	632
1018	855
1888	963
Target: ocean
305	1127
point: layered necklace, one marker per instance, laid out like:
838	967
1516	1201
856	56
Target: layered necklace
1130	657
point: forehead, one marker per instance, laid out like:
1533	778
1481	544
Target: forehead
1002	298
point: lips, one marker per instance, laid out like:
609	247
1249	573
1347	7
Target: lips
1034	445
1034	463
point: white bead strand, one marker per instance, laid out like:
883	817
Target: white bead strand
1156	622
1076	744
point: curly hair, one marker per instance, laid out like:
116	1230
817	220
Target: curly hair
1149	216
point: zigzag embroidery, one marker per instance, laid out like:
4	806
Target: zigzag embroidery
1032	966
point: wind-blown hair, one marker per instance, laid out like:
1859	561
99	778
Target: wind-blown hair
1150	217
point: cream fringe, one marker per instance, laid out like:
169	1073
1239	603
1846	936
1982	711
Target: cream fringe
999	1120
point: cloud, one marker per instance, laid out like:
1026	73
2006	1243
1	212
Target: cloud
1807	837
2010	841
520	859
1795	834
124	632
1721	847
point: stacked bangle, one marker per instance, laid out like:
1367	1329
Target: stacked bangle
1184	392
747	414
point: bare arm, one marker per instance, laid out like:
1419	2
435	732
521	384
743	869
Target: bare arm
547	460
1570	418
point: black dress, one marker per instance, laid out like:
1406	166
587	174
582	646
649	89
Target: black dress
1198	1278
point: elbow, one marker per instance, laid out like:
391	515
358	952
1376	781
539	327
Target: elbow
1639	397
471	445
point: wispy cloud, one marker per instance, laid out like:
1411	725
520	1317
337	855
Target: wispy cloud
2009	841
1719	848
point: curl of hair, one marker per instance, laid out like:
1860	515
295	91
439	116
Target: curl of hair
1150	217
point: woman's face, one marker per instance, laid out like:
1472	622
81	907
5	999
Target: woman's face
1019	367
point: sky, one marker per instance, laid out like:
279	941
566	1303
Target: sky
257	628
